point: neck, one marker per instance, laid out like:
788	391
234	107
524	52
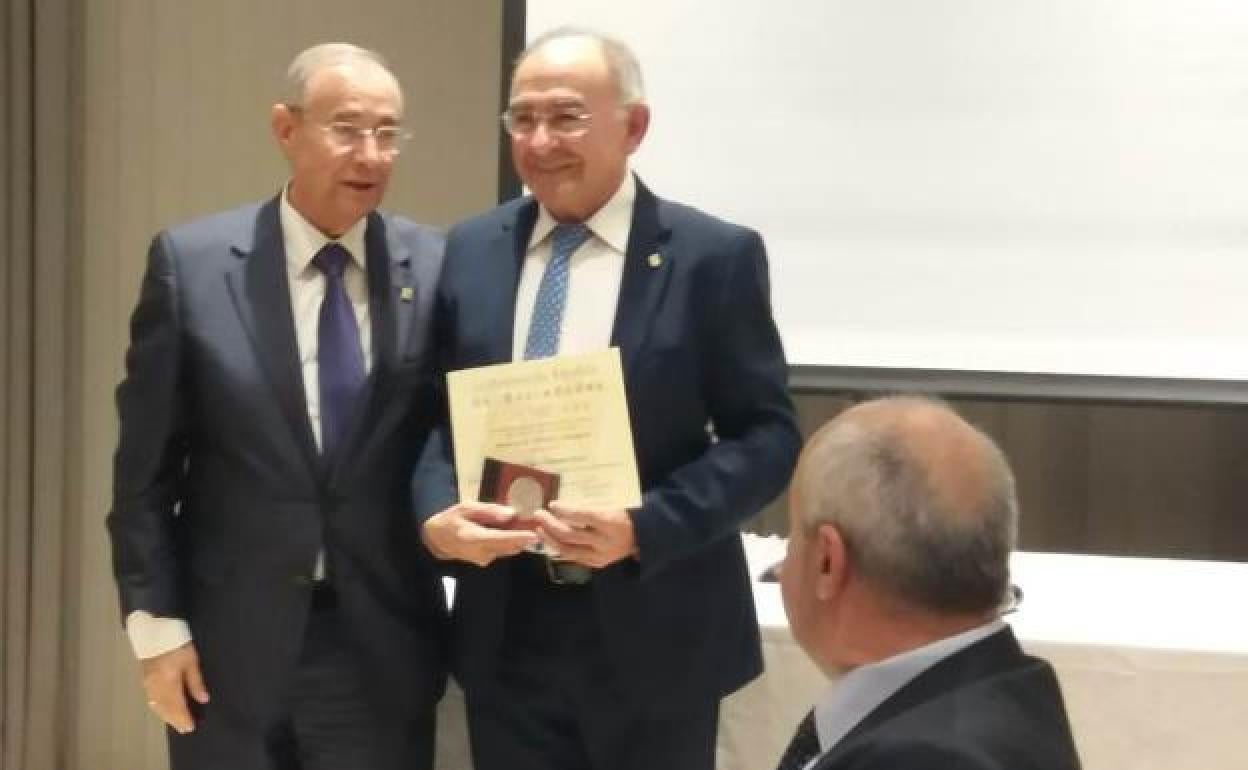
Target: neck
331	230
887	630
575	214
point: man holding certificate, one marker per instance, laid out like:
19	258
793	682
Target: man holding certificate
612	649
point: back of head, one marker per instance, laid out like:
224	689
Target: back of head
924	502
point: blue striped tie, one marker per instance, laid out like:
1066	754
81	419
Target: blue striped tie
552	294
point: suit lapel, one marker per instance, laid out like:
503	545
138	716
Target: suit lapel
647	269
261	295
399	298
512	241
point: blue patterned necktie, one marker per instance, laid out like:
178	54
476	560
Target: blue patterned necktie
552	294
804	746
339	358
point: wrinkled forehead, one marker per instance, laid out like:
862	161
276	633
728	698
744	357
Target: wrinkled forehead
354	87
572	69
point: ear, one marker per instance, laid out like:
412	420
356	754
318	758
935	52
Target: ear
831	562
282	122
638	124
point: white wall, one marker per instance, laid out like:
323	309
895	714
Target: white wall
1018	185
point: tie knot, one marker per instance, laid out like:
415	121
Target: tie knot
332	259
567	238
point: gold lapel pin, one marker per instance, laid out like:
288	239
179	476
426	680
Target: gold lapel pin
407	294
655	260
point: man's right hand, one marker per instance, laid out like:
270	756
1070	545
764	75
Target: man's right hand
167	679
475	532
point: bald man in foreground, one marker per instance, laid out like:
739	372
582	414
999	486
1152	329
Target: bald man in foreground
903	517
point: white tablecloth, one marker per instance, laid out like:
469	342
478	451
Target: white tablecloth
1152	655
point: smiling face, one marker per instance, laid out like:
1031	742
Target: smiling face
333	186
573	176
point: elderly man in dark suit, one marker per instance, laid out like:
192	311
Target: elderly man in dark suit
618	656
275	399
902	521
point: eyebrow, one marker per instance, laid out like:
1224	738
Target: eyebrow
557	103
355	115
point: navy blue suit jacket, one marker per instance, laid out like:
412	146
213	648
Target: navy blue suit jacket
221	500
987	707
699	347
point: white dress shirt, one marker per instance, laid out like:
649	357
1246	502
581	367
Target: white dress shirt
151	635
851	698
594	274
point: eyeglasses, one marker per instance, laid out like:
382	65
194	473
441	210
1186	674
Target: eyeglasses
561	123
1012	601
346	136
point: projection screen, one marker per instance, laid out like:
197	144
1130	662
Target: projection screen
1032	186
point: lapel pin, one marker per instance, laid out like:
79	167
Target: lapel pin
655	260
407	294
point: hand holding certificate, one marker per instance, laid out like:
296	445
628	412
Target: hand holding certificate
566	420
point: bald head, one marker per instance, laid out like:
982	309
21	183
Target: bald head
924	502
622	67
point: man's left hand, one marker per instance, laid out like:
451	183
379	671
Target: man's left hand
592	538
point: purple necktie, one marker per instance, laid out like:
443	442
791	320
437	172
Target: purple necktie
339	358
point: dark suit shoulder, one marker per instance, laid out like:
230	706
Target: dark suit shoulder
413	232
491	220
219	228
712	241
1012	718
676	214
199	250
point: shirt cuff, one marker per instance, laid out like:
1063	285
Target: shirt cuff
151	636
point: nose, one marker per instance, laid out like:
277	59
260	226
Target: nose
366	149
541	139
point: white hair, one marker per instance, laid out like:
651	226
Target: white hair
310	61
897	506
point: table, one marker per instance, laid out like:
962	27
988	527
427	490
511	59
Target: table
1152	655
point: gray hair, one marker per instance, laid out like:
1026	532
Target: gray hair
928	515
622	64
310	61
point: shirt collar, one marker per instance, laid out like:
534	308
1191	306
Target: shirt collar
303	240
860	691
610	223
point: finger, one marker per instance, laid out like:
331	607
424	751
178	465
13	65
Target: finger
487	514
171	707
572	537
553	525
195	683
577	517
493	543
